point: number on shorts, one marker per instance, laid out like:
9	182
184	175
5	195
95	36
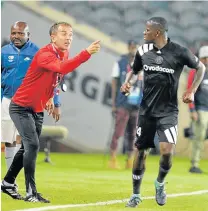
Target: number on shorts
139	131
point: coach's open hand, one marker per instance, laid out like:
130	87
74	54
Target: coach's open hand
188	97
125	88
50	106
94	47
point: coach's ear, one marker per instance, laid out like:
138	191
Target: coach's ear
53	38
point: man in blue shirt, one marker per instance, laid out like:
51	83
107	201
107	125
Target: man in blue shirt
15	60
124	107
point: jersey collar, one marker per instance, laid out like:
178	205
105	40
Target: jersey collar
163	46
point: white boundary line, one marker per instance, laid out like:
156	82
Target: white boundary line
55	207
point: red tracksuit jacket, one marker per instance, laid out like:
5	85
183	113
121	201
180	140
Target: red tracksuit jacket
42	76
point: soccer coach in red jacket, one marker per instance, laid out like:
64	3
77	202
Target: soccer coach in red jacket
33	96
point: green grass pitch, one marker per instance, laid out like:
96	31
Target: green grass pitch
85	178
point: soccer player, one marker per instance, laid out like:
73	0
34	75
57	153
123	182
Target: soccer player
33	96
162	61
15	60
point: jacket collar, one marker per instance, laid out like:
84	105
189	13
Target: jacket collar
25	45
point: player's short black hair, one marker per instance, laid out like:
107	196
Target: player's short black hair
160	22
55	26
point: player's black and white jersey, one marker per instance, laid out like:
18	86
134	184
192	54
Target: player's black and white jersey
162	69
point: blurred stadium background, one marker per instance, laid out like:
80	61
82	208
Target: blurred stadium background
86	106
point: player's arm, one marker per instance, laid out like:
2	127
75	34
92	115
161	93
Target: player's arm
137	67
49	61
198	77
193	113
193	62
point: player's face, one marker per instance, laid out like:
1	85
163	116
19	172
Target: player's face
63	37
150	33
132	49
19	36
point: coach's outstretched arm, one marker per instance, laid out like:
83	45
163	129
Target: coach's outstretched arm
188	96
50	61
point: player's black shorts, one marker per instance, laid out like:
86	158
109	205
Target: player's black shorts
166	128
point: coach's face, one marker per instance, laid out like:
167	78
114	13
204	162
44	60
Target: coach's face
19	35
150	33
63	37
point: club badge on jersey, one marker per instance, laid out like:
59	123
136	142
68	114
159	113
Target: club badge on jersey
60	78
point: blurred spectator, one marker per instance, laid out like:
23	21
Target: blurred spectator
125	108
199	113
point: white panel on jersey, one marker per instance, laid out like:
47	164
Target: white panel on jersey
150	46
141	52
145	47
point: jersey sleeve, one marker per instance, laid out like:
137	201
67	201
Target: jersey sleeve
137	65
189	59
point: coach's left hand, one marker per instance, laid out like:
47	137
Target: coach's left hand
188	97
56	113
50	106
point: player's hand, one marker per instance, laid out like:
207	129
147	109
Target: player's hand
94	47
50	106
194	116
125	88
56	113
188	97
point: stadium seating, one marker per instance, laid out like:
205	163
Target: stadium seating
188	21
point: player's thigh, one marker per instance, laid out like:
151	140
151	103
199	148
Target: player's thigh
167	129
7	126
8	131
145	133
5	109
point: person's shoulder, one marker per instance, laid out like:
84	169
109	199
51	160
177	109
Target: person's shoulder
45	50
145	48
124	56
34	46
6	48
176	46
